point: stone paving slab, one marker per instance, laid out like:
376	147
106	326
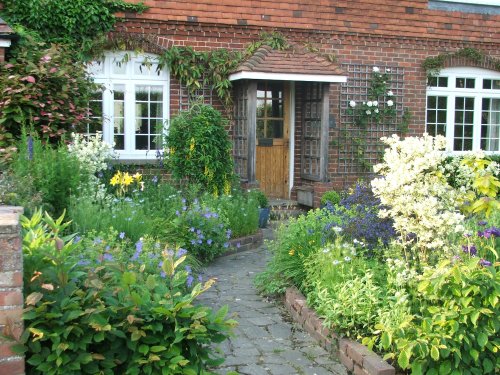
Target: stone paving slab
265	342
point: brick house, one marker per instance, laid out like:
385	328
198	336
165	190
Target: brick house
294	128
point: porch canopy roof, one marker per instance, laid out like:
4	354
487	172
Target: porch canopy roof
6	34
293	64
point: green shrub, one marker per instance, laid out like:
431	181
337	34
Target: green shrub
456	328
239	213
54	173
260	197
44	87
109	316
200	149
330	196
294	243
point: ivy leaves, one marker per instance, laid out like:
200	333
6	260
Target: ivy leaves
76	23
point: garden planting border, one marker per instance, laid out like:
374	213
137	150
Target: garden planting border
357	358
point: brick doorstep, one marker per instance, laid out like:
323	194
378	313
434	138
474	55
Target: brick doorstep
357	358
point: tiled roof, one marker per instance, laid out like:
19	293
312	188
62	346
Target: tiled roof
295	60
399	18
4	28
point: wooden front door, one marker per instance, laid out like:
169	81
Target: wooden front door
271	169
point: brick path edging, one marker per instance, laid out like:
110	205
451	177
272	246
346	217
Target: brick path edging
357	358
249	242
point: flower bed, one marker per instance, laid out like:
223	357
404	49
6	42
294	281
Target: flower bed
376	267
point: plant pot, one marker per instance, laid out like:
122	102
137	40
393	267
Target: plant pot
264	216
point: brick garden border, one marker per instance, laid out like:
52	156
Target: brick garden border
252	241
357	358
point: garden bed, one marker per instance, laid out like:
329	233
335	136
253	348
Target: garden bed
356	358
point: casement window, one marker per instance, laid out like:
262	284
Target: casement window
133	104
463	104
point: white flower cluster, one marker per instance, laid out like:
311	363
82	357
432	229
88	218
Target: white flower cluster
418	198
92	152
463	174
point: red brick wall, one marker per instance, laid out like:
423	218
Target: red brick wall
2	54
348	47
11	289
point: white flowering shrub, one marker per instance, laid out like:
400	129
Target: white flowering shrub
476	177
417	196
92	152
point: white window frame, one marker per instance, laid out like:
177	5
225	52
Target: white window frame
478	93
104	73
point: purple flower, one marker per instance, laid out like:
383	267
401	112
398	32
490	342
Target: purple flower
200	278
163	274
155	180
199	242
493	231
181	252
138	250
77	239
122	235
482	222
484	262
184	208
238	245
108	257
189	281
177	213
83	262
208	215
228	233
193	242
160	264
188	269
226	245
191	229
97	241
469	249
209	241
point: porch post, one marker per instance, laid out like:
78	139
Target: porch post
252	129
325	124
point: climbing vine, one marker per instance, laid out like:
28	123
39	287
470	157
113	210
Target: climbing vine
434	64
77	23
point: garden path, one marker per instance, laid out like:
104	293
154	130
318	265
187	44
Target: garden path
266	341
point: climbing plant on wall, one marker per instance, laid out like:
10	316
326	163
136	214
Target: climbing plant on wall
77	22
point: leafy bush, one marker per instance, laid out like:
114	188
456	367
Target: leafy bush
456	328
77	23
330	196
239	213
358	214
294	243
200	149
200	231
45	88
112	317
54	173
260	197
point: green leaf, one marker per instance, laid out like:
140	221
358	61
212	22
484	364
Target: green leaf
482	339
403	360
129	278
474	354
386	340
416	368
488	366
445	368
434	353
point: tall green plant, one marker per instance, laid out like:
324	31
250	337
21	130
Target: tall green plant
200	149
53	172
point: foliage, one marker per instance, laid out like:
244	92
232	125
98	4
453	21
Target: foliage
456	329
417	196
330	196
238	212
196	69
112	317
200	149
358	215
260	197
274	39
92	151
379	105
294	243
434	64
54	173
77	23
43	87
200	231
